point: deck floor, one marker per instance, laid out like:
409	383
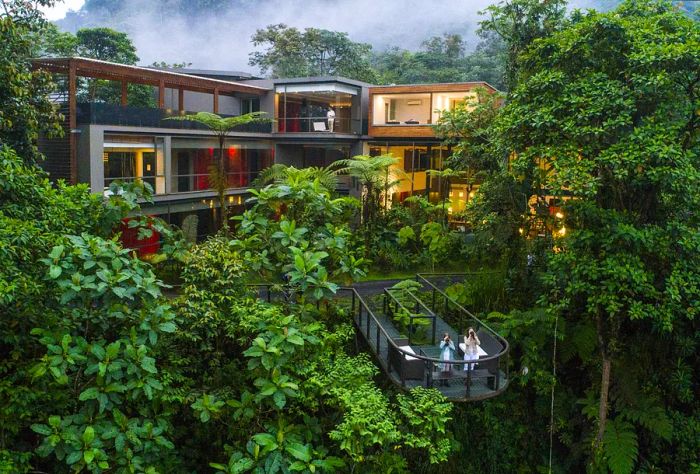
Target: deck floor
456	391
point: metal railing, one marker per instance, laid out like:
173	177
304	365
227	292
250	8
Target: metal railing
364	317
200	181
393	304
114	114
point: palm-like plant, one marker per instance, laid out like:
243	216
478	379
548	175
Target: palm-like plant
378	175
447	174
283	174
221	127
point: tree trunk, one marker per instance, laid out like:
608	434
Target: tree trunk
222	185
604	384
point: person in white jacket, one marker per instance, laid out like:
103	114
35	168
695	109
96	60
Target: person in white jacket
330	116
471	349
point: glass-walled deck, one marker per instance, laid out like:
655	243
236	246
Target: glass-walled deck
130	159
318	108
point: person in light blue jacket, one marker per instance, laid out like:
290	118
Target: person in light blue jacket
447	352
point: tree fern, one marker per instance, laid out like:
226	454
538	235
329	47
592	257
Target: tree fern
620	446
648	413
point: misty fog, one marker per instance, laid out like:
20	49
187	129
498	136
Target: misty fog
222	40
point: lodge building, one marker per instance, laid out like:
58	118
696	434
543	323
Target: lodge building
118	139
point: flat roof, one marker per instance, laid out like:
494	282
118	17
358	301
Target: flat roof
240	75
86	67
307	80
433	87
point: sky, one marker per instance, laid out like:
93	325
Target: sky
59	10
222	40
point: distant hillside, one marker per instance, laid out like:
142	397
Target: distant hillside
216	33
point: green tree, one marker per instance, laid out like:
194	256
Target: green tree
609	107
518	23
283	174
290	52
106	44
25	109
377	175
446	174
221	127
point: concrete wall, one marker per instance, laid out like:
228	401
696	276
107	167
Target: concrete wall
202	102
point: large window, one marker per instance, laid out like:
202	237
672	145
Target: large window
445	101
330	107
192	161
401	109
413	161
128	159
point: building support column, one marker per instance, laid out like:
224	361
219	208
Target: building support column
161	94
216	100
167	158
72	123
181	101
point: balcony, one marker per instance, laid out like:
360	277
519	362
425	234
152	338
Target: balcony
319	108
112	114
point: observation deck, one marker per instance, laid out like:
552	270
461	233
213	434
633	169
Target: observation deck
403	330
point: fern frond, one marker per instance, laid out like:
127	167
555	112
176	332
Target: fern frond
620	446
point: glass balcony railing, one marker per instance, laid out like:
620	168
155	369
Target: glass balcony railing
112	114
319	125
184	183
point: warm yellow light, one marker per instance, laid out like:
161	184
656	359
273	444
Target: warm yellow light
451	193
559	215
472	194
449	210
521	230
230	199
562	231
461	194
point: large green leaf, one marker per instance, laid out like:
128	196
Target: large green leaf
620	446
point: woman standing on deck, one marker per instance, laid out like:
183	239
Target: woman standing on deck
471	349
447	351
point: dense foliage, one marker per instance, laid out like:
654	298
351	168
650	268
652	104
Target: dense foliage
25	109
106	369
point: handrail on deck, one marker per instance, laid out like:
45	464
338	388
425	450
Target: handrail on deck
435	289
389	297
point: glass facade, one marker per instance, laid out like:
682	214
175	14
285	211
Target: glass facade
193	159
414	108
127	159
318	108
413	161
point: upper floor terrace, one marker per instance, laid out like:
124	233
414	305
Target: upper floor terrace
321	107
412	110
94	92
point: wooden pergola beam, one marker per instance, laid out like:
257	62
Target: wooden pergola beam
139	75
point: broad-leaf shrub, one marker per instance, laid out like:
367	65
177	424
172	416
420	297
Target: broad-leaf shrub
101	352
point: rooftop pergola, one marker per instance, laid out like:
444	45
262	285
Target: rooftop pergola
92	68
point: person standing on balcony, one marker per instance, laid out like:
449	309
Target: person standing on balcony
471	349
330	115
447	350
